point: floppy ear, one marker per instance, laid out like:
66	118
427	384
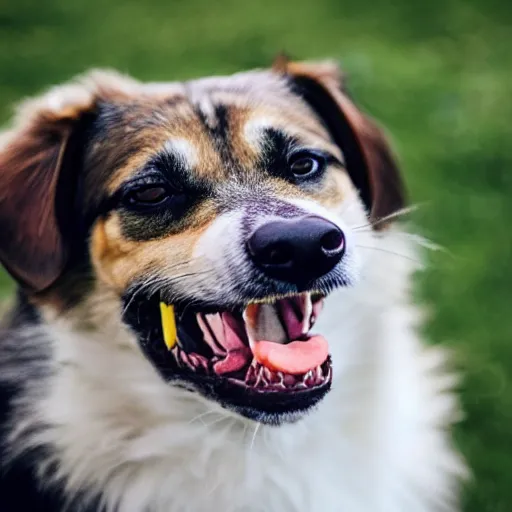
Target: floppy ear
38	162
369	160
32	245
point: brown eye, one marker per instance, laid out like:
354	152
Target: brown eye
307	165
149	195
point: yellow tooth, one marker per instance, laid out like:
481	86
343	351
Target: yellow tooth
168	324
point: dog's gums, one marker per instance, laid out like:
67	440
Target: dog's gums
260	360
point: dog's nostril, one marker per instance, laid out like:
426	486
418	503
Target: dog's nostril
332	241
296	250
278	254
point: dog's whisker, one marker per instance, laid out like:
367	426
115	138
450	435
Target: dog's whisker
391	216
158	283
218	420
200	416
380	249
253	439
419	240
135	294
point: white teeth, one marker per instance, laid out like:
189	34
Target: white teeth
262	323
198	361
307	310
250	376
186	360
176	353
309	378
261	379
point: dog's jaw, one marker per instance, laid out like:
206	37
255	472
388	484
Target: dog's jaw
378	428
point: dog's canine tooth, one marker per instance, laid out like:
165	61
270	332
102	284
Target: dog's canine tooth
168	324
262	323
307	312
176	353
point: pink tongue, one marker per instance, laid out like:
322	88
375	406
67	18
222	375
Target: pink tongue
295	358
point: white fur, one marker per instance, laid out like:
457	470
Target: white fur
376	443
184	148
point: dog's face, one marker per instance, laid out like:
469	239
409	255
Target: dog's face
218	211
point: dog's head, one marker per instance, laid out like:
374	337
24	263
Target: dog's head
218	211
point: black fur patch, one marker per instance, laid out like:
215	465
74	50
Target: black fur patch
218	130
23	360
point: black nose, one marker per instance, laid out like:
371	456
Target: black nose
297	250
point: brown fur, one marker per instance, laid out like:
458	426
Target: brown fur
132	123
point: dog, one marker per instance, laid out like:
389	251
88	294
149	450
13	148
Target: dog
214	305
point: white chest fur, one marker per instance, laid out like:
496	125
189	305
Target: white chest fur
376	443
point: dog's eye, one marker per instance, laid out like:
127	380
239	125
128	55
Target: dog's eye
305	165
149	195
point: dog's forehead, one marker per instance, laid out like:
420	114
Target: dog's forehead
204	123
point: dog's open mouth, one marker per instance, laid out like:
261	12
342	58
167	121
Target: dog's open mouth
261	360
267	347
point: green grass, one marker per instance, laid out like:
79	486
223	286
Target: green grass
437	74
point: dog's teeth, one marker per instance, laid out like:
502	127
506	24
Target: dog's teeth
268	375
319	373
198	361
269	325
309	379
264	374
186	360
260	379
307	311
176	354
262	323
168	324
250	376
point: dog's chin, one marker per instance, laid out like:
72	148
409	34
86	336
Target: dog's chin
221	354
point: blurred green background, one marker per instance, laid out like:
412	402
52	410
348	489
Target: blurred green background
438	74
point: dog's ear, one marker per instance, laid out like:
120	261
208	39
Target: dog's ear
36	164
369	160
